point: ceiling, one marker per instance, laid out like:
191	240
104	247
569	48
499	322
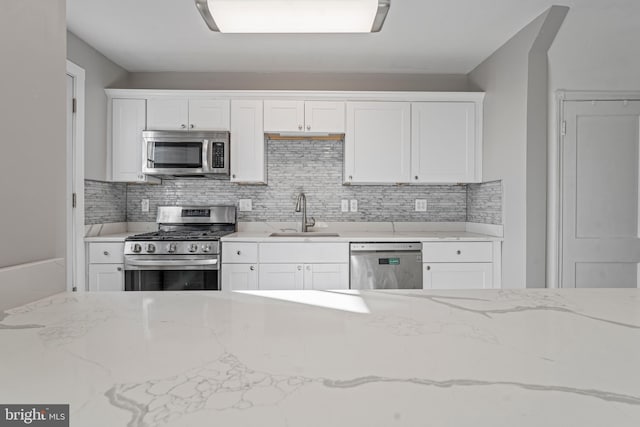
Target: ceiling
419	36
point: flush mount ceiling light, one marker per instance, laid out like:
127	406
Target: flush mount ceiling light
294	16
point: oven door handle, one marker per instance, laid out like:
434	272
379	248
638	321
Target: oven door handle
194	264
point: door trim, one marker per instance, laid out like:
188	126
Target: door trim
554	198
75	179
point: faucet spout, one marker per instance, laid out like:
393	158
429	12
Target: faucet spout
301	205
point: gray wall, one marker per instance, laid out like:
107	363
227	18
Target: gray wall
298	81
32	119
513	152
100	73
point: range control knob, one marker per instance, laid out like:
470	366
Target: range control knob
136	248
193	247
151	247
171	248
206	248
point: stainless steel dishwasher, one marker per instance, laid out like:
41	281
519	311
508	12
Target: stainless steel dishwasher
386	265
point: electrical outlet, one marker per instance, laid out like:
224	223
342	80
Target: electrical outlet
144	204
245	205
354	205
344	205
421	205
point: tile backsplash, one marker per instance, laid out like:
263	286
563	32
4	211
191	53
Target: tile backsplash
315	168
104	202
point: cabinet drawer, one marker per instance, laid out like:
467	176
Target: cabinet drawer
234	253
304	252
456	252
106	253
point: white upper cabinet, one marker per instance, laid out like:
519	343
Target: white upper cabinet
304	116
247	142
377	143
444	144
128	119
187	114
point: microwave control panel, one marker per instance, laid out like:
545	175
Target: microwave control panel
217	157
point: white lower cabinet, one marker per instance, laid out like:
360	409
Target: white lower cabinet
106	277
106	266
440	275
326	276
281	276
460	265
239	277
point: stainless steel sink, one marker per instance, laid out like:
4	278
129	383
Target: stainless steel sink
305	234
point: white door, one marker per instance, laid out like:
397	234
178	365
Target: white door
281	276
208	114
247	142
443	142
239	277
326	276
324	116
283	116
128	122
471	275
106	277
167	114
600	244
377	142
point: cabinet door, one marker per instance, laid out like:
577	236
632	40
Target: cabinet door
280	276
208	114
106	277
237	277
326	276
443	142
324	116
283	116
457	275
128	118
247	142
167	114
377	142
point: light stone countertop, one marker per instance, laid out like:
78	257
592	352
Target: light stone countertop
321	358
362	236
115	237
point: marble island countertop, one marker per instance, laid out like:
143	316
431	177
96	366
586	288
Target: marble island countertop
311	358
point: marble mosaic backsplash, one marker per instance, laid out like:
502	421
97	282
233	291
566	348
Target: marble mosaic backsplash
104	202
315	168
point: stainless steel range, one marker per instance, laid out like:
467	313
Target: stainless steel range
184	254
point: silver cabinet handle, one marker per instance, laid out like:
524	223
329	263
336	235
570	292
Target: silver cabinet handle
428	267
233	176
299	127
191	126
308	268
350	177
183	126
106	253
308	127
416	176
458	252
252	268
299	267
119	269
238	252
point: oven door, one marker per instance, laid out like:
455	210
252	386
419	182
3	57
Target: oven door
143	274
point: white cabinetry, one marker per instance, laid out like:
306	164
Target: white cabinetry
444	143
459	265
294	265
247	142
304	116
239	266
377	143
128	120
106	266
187	114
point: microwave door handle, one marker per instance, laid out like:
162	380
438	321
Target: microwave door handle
206	155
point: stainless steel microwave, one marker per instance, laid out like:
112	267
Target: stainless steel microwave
185	154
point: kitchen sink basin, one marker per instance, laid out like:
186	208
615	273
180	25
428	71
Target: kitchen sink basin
307	234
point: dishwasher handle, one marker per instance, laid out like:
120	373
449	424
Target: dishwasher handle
386	247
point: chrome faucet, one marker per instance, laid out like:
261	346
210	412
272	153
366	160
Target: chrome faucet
301	204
